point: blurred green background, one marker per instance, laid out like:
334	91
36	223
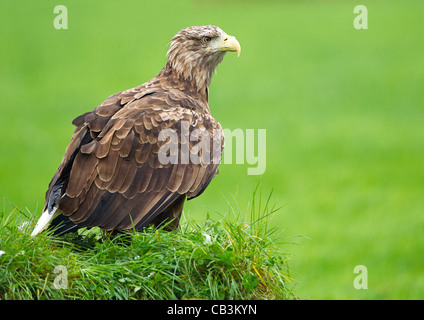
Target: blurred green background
343	109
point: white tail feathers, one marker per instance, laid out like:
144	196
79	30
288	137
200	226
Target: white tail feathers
44	220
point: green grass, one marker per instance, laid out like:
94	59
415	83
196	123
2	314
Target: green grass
235	258
343	110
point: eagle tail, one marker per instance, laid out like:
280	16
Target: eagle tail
60	225
44	220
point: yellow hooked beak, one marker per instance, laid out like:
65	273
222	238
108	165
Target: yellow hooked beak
227	43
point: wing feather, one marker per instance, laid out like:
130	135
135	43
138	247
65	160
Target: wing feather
108	165
80	174
126	144
129	178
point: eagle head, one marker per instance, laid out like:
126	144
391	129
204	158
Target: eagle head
195	52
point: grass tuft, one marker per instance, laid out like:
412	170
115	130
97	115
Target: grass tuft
223	259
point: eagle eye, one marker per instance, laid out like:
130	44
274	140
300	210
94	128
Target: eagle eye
206	39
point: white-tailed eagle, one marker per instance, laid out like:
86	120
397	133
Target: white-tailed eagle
125	166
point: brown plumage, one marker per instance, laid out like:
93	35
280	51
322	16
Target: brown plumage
112	175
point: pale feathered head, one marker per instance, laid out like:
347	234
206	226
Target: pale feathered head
195	52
